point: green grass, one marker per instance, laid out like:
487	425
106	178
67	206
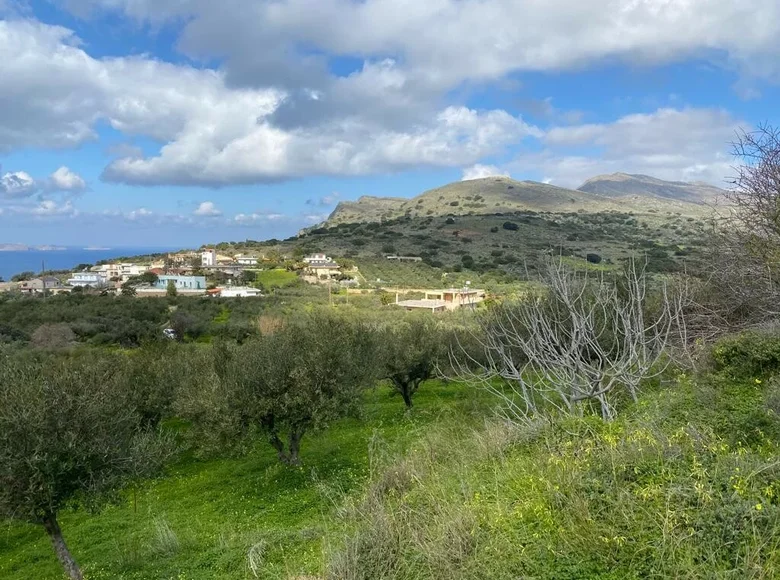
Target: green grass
204	518
683	484
686	484
276	278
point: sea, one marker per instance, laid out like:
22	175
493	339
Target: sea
14	262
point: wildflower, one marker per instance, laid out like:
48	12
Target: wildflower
759	507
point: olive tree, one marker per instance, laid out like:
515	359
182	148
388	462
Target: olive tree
69	437
411	351
297	379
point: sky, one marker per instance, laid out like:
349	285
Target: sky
186	122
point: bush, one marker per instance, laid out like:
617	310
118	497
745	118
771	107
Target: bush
593	258
748	355
511	226
53	336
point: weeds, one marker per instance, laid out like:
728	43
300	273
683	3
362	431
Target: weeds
650	495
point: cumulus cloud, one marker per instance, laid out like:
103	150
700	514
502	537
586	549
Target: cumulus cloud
20	184
207	209
674	144
484	40
214	134
479	171
276	111
17	185
66	180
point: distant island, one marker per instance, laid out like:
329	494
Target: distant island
25	248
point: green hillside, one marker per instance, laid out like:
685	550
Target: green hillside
505	244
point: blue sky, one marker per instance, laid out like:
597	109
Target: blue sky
184	122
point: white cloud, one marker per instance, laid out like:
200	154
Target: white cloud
325	200
274	112
66	180
20	184
215	135
674	144
484	40
315	218
17	185
252	218
479	171
207	209
48	208
260	152
139	214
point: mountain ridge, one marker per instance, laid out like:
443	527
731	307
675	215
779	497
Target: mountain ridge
620	192
626	184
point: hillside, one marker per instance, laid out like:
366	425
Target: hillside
492	195
501	246
623	185
367	208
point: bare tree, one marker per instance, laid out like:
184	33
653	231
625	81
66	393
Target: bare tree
743	288
583	340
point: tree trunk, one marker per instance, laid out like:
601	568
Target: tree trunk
406	393
294	446
61	548
278	444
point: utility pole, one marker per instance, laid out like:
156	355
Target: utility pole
43	277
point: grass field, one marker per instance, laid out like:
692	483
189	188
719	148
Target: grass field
275	278
203	520
684	484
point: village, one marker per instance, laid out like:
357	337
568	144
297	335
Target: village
210	274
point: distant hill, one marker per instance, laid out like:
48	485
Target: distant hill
623	185
493	195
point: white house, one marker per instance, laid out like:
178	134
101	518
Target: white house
127	271
440	300
240	292
91	279
109	271
246	260
317	258
208	258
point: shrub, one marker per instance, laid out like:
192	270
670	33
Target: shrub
593	258
53	336
511	226
748	355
